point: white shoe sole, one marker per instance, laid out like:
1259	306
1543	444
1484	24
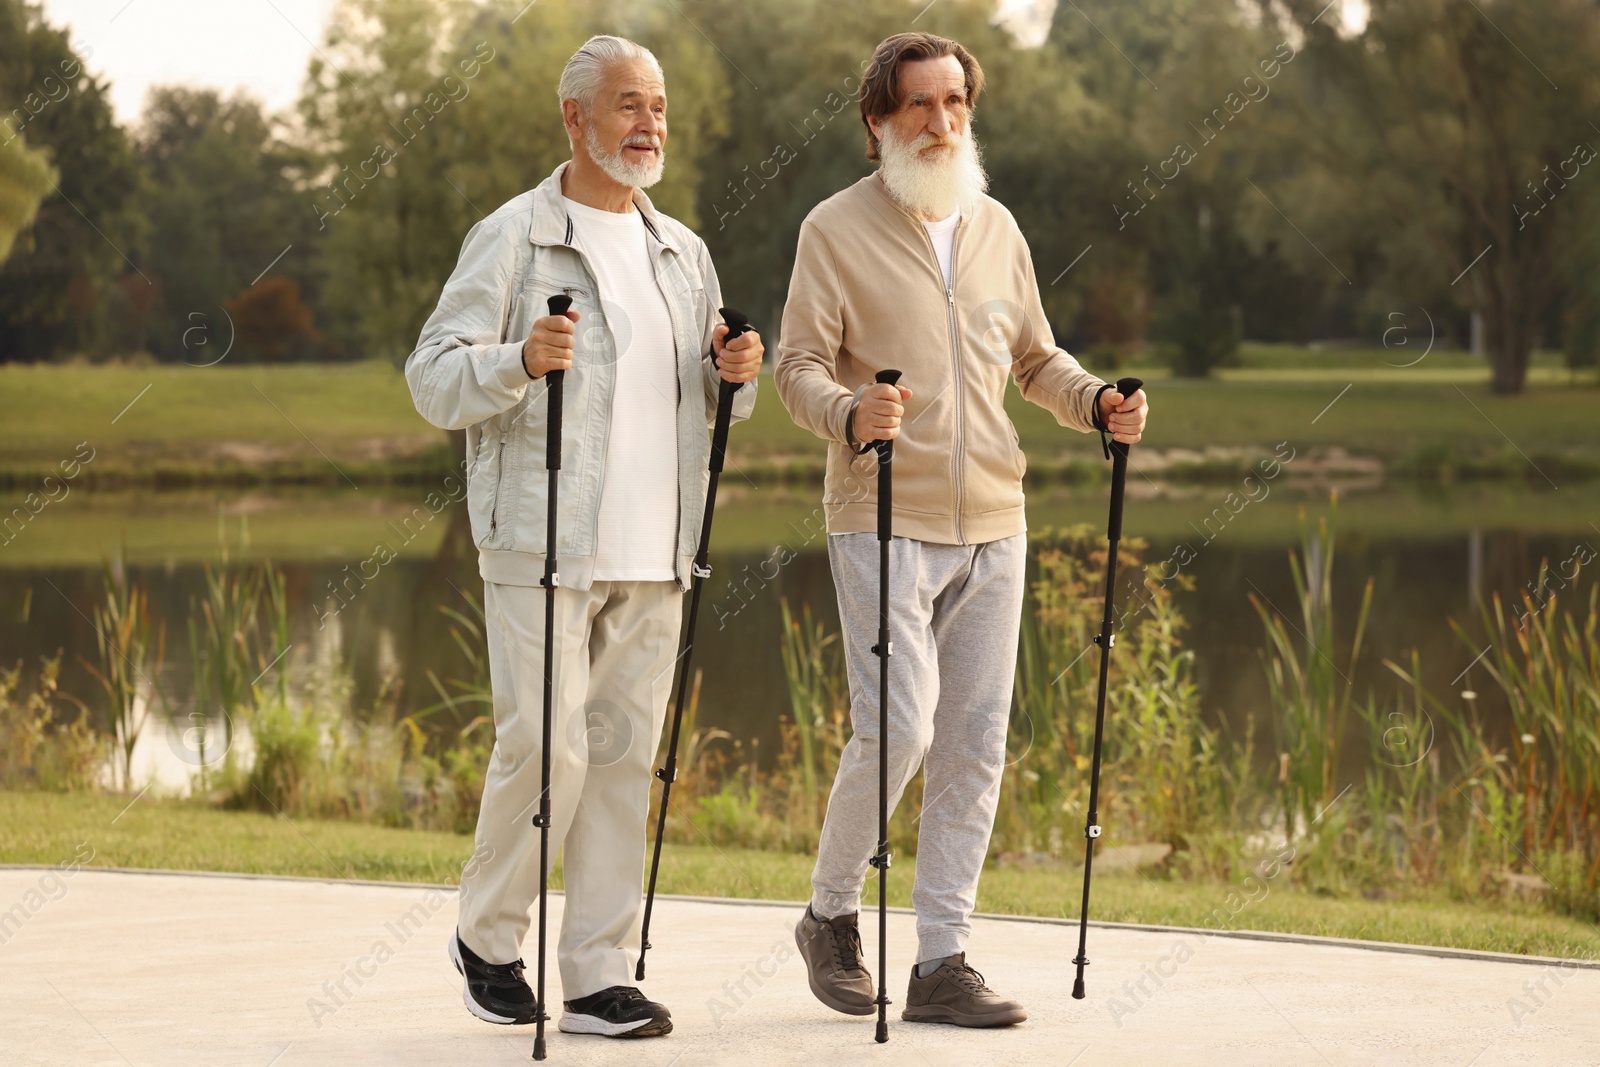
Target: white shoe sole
573	1023
466	994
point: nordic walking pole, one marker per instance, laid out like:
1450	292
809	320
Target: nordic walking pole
1118	452
668	772
552	462
883	649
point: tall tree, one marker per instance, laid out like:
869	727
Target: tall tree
59	289
1457	142
224	214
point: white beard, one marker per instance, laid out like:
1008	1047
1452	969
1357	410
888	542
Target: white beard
622	171
933	187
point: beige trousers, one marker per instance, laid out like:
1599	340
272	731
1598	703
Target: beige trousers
616	644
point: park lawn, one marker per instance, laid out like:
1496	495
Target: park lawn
333	422
43	828
1387	419
144	416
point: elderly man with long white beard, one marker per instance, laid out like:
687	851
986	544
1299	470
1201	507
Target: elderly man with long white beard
643	350
913	268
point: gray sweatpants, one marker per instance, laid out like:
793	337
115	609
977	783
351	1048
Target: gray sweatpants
954	612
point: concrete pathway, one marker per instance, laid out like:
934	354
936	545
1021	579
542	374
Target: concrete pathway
130	968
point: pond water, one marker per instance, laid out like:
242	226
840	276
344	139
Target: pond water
1432	555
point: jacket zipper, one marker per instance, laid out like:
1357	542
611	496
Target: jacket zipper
955	357
499	479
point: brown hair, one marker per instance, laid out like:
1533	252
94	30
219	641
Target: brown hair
880	88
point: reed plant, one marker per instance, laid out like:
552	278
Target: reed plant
1311	695
1545	659
128	664
224	646
819	705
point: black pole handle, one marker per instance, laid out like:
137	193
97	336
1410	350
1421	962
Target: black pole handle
737	321
885	457
1119	464
738	324
558	306
1126	387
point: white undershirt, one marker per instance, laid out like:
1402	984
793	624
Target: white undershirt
943	233
639	487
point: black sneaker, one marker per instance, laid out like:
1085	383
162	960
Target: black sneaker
621	1011
494	992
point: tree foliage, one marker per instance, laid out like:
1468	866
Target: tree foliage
1188	173
59	289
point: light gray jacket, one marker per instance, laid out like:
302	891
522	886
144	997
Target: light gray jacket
467	373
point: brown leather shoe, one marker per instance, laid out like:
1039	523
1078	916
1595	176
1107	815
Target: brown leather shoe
955	993
832	951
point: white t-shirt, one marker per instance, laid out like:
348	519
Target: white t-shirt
638	535
943	233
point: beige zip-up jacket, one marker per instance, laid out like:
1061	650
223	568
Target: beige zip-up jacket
868	295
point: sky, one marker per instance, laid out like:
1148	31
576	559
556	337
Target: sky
259	45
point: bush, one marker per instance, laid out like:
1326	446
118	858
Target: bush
39	748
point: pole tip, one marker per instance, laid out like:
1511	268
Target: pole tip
638	971
1077	989
883	1032
538	1048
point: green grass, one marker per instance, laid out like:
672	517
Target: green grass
1379	417
48	408
174	423
174	835
285	524
314	423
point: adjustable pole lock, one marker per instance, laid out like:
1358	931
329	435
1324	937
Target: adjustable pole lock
1106	640
699	571
666	776
880	861
1092	830
887	646
541	820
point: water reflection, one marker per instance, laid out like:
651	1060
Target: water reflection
390	626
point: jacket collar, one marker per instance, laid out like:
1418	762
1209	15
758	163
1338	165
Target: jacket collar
880	189
552	226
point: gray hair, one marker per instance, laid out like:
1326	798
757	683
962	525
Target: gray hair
581	77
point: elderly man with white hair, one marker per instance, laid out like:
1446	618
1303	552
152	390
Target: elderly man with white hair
644	352
915	269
